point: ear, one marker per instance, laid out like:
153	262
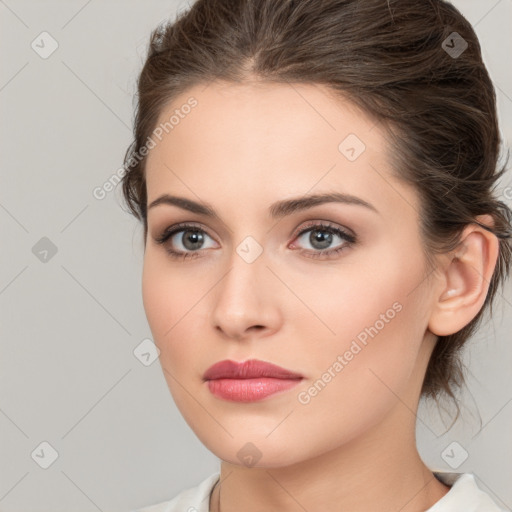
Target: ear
464	278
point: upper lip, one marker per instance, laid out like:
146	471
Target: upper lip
249	369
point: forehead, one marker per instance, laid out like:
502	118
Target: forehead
258	111
266	141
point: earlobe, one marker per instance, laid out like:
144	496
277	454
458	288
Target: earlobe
465	279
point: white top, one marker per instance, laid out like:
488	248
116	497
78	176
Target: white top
464	496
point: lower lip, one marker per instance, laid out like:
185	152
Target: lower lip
249	390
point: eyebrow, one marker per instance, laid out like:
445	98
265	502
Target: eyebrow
277	210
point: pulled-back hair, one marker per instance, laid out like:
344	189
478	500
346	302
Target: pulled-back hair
397	60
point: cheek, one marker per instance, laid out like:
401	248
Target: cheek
357	373
373	316
165	301
154	297
172	306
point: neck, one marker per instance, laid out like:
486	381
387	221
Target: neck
380	472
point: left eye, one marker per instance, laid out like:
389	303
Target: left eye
320	238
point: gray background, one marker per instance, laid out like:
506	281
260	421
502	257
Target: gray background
68	373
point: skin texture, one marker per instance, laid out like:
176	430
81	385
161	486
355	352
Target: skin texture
353	444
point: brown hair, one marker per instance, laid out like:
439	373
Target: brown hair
393	59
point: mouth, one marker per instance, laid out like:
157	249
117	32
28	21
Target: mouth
249	381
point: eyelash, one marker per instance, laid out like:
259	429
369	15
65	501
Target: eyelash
349	239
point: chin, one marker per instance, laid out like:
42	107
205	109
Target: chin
256	451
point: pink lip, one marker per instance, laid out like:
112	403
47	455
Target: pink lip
249	381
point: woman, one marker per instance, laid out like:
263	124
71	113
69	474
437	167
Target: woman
315	181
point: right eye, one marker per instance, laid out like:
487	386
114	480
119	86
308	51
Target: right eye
188	238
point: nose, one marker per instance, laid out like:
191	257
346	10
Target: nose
246	300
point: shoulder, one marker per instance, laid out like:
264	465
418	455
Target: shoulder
193	499
464	495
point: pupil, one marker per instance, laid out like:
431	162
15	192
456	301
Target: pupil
194	238
324	239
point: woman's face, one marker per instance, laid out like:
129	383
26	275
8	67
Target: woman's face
346	310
